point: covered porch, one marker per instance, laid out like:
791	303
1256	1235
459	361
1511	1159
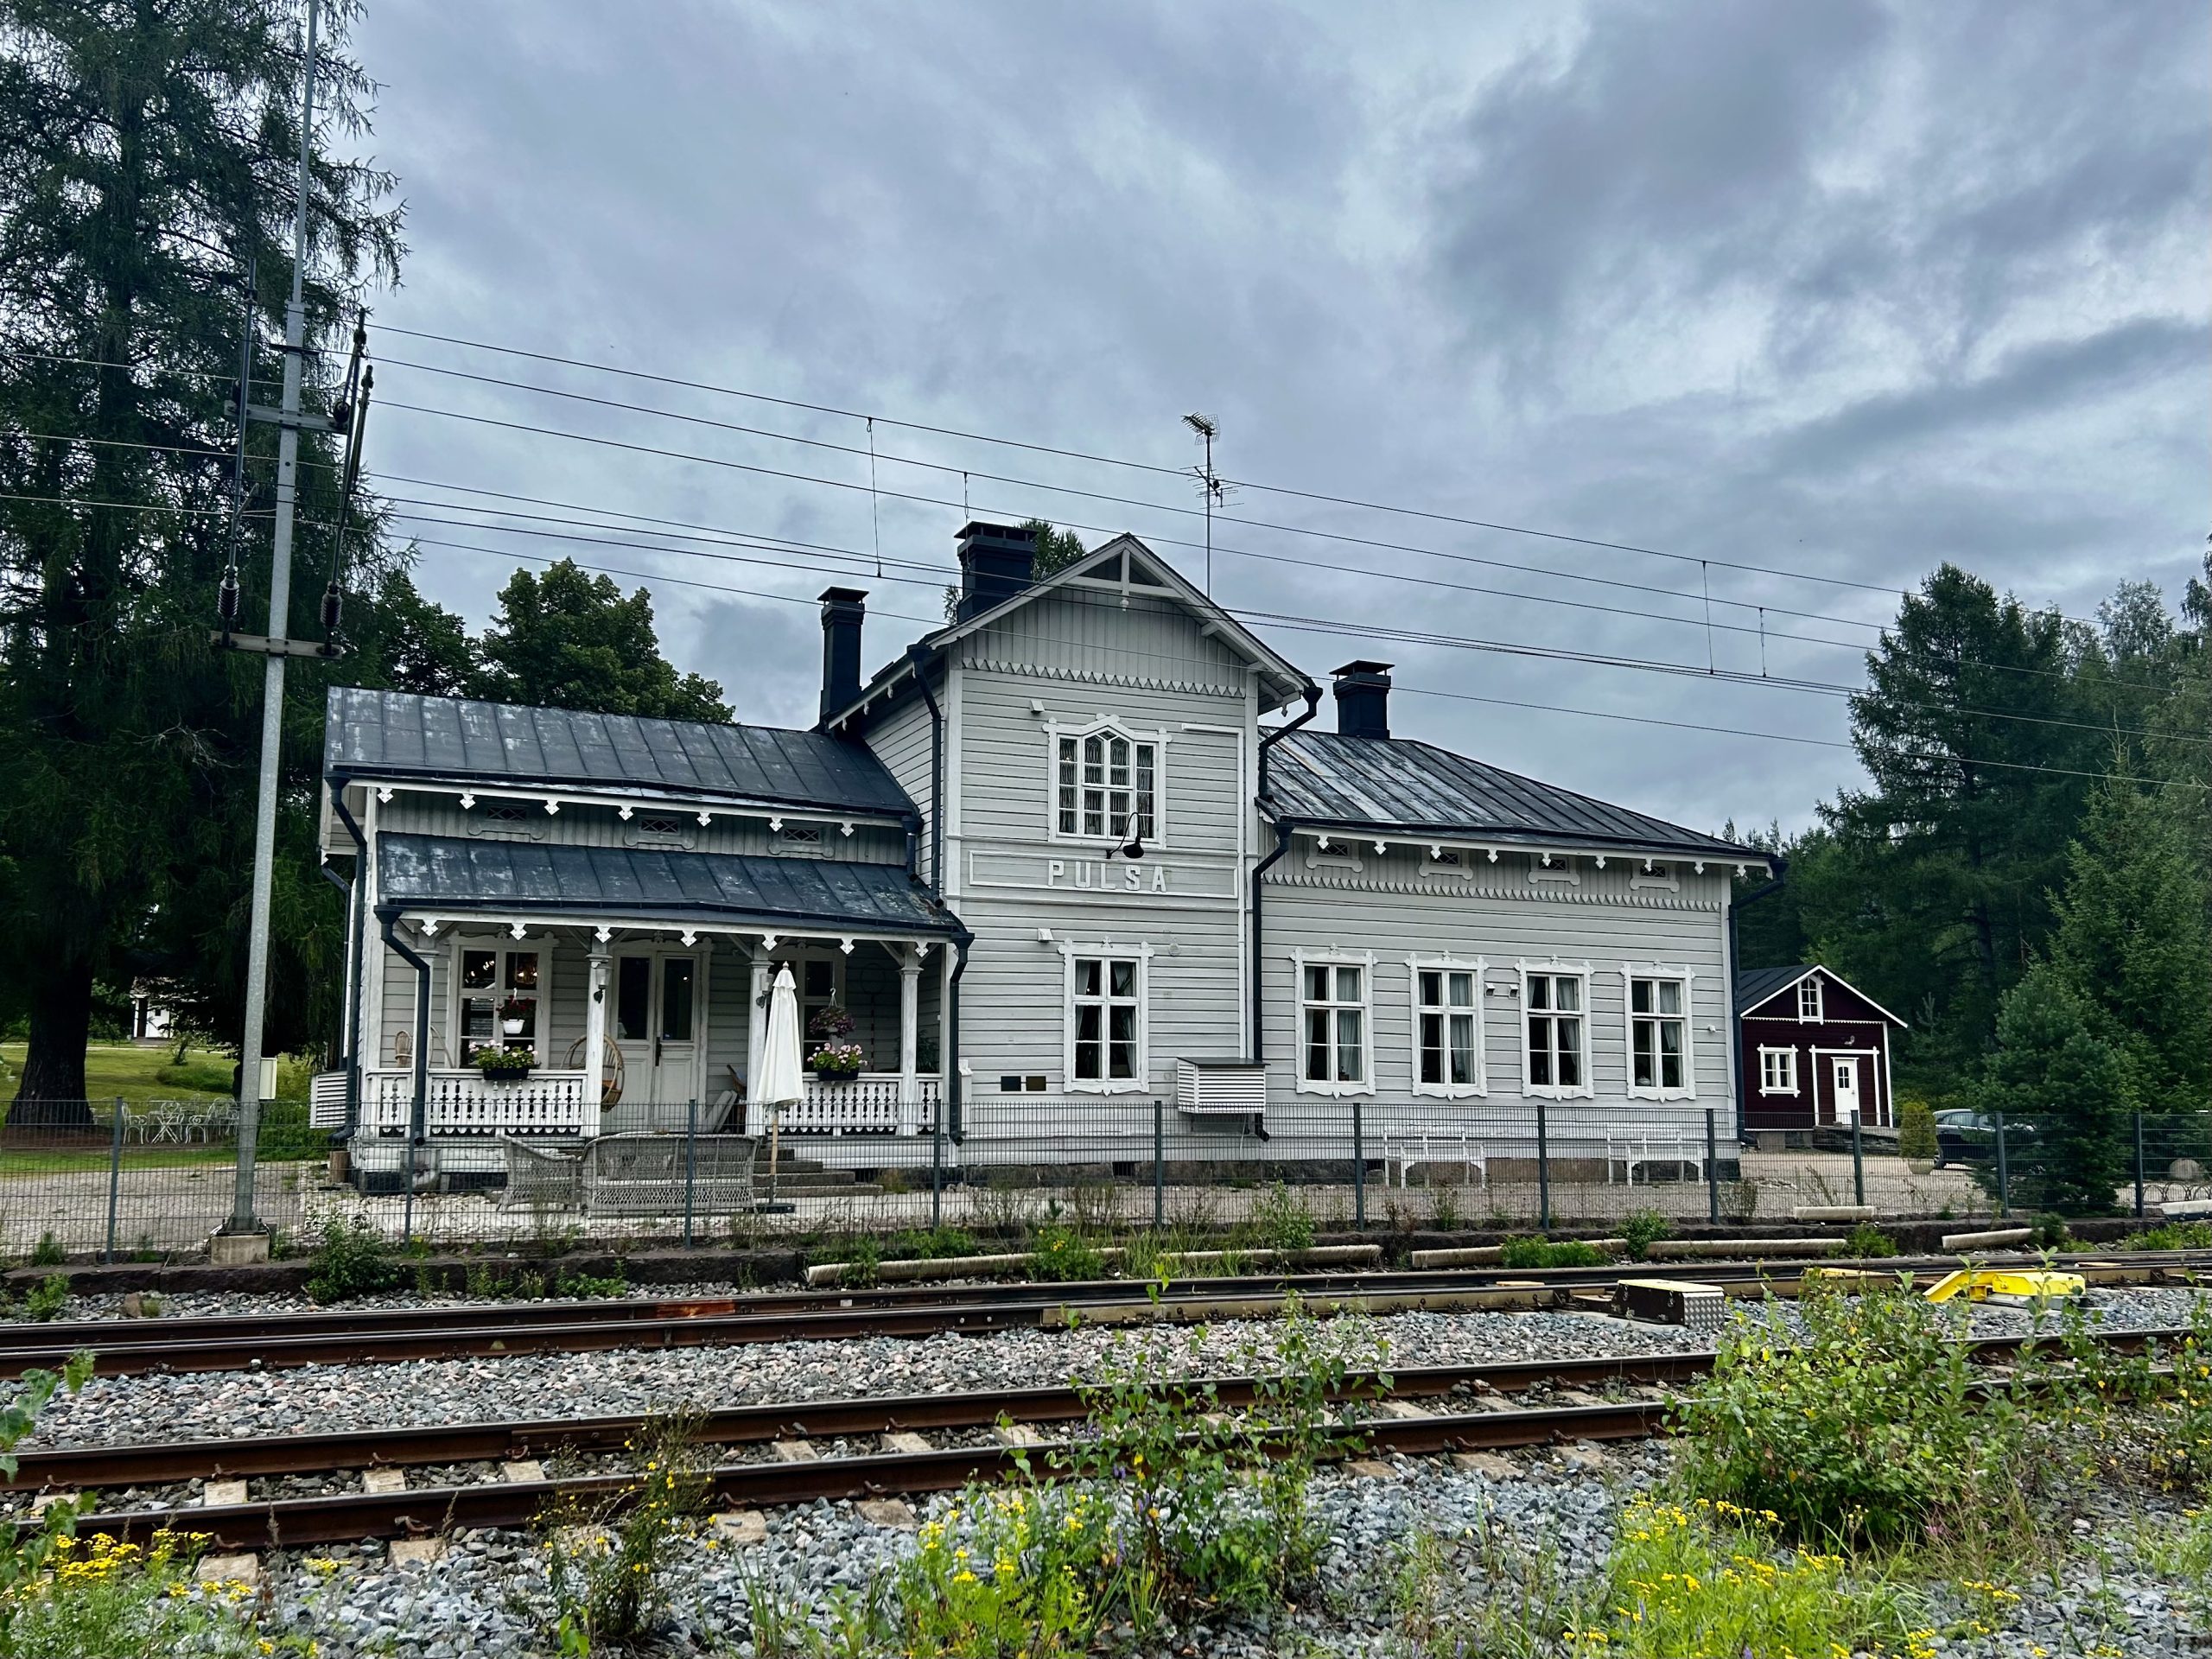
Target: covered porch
615	995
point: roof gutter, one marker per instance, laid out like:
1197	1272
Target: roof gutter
356	944
918	656
1267	741
389	915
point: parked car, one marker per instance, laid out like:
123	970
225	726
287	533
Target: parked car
1970	1137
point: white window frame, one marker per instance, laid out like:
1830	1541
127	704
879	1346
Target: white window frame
1302	959
1554	967
1561	868
1443	861
1655	872
502	946
1817	1017
1478	967
1105	726
1780	1064
1070	951
1686	977
1333	852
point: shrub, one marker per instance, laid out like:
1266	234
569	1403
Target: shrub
584	1287
937	1244
1867	1243
123	1599
1061	1252
353	1260
1861	1427
1281	1221
1916	1130
1525	1253
44	1305
1643	1229
47	1252
2172	1235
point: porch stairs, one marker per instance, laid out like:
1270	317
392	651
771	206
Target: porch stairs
797	1177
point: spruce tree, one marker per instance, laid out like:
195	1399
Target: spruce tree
2062	1088
147	162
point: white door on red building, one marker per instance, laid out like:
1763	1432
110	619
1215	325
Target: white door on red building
1847	1088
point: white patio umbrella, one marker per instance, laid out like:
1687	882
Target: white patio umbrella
779	1075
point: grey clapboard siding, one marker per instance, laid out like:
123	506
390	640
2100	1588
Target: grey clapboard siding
603	826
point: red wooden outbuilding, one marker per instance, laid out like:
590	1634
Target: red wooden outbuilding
1811	1049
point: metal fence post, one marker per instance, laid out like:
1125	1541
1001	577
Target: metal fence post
1711	1170
1857	1160
690	1165
1159	1165
1358	1168
2139	1165
116	1175
937	1165
2004	1173
1543	1171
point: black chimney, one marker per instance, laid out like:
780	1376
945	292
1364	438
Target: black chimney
1363	700
996	562
843	610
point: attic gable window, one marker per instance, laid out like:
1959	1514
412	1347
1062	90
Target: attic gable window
1104	783
1808	999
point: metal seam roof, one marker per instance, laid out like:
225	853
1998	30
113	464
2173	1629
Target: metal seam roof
399	734
1405	784
422	872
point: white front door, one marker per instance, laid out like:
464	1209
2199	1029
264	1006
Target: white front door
1846	1089
659	1000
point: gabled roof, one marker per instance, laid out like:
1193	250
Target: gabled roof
399	736
1402	784
1756	987
1160	580
428	874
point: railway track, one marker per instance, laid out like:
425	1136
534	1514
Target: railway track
136	1347
500	1500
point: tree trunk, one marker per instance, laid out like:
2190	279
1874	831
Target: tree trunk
52	1092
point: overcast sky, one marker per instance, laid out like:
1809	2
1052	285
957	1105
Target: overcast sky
1840	289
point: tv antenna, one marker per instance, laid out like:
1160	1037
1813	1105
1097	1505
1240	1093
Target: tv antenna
1211	488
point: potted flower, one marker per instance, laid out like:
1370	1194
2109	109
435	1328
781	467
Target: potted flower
830	1024
837	1062
514	1013
504	1064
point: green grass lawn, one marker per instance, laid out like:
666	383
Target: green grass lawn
134	1074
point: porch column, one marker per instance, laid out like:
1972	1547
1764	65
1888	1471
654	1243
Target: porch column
910	1003
594	1037
756	1038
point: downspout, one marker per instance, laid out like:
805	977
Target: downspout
389	916
919	657
1735	1029
356	930
960	943
1267	741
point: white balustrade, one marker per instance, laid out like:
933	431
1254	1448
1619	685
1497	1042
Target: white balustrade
874	1102
465	1103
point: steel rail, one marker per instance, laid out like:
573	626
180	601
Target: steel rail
159	1463
279	1341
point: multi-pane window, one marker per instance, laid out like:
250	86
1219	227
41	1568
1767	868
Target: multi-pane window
1444	1028
499	994
1108	998
1656	1033
1557	1033
1808	999
1105	786
1777	1070
1334	1009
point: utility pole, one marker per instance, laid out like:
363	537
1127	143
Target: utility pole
277	646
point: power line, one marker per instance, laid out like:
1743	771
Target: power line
1359	503
841	484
